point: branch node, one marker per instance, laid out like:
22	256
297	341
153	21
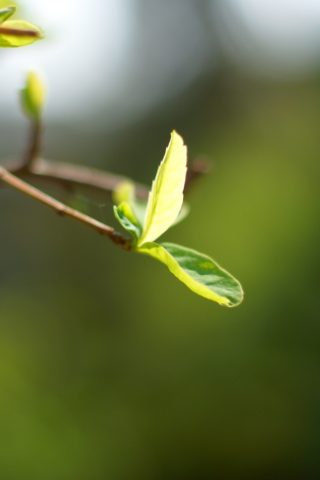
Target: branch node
120	240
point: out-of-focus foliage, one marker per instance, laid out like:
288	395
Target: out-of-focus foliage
6	13
33	96
16	33
26	34
6	4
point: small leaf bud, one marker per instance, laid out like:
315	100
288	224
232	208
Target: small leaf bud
33	96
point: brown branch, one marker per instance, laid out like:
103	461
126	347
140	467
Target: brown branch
90	177
18	32
83	176
199	167
62	209
34	145
70	174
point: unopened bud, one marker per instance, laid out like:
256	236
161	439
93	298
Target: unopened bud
17	33
33	96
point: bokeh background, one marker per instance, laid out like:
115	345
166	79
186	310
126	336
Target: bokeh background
109	367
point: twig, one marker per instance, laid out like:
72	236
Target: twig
200	166
83	176
90	177
18	32
62	209
34	146
70	174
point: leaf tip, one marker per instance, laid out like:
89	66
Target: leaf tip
7	12
176	137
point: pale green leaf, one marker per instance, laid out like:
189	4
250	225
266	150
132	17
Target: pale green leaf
18	33
127	219
125	192
197	271
165	199
6	13
140	208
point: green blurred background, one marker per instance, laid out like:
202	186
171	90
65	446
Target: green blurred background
112	369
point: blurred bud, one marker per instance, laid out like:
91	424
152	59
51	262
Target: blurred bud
33	96
17	33
5	13
123	192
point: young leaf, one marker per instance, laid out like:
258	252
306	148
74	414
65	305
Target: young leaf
165	199
6	13
197	271
125	192
33	96
18	33
127	219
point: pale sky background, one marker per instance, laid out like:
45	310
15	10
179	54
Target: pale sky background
100	59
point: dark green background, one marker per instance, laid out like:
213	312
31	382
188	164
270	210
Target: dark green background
112	369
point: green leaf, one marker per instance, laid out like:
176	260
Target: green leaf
197	271
140	208
165	199
125	192
127	219
33	96
18	33
6	13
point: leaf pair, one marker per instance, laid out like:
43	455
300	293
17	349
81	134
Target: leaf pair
165	204
16	33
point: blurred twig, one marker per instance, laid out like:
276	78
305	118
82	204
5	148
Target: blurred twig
19	32
199	167
34	146
79	175
82	176
69	174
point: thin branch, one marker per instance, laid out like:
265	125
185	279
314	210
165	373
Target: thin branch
34	145
83	176
199	167
78	175
19	32
62	209
91	177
